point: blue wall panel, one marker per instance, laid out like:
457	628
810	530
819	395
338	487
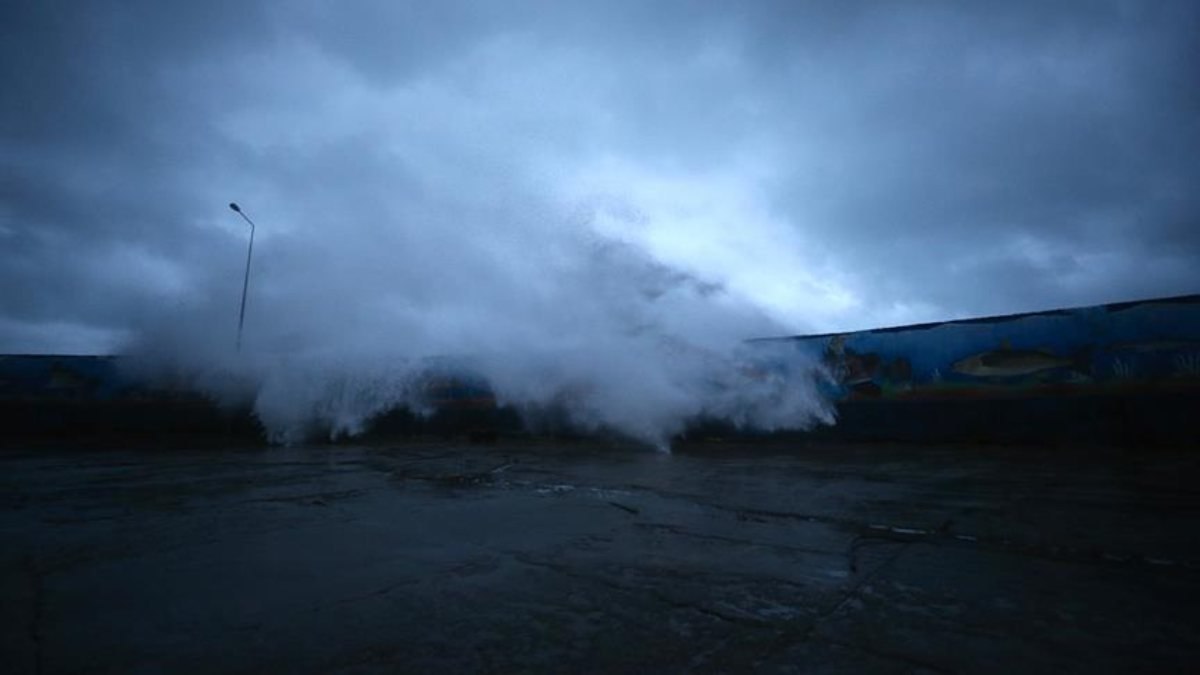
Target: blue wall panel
1122	349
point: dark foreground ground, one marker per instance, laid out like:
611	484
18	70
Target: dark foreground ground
587	558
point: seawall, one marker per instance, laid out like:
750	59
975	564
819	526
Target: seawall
1122	374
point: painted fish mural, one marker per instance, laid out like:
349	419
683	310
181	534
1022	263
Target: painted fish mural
1124	349
1009	362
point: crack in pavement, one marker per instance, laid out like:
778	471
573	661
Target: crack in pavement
684	532
783	639
647	591
886	655
312	498
377	593
942	535
788	638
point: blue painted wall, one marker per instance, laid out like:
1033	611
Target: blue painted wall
1123	349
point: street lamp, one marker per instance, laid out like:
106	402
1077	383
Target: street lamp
246	281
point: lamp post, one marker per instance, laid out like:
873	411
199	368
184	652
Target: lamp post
246	281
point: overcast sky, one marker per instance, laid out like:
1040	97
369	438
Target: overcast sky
835	165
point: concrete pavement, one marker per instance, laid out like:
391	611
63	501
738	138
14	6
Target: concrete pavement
586	557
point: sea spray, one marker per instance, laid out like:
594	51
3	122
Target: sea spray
547	312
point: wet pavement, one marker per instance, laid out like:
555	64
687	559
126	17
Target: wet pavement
599	558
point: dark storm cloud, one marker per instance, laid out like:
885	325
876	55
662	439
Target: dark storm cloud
843	164
97	153
1021	159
